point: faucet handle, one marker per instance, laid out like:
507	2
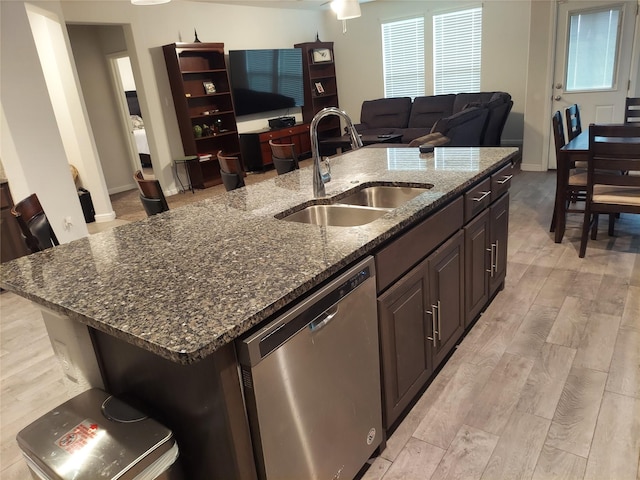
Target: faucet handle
326	176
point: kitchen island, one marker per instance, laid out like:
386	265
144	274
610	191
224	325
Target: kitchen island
164	298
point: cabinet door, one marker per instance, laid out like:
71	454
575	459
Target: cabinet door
406	363
477	248
499	235
446	296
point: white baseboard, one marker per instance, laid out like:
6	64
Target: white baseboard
122	188
532	167
105	217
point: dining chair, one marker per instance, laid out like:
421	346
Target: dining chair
34	225
284	157
612	149
230	171
574	126
151	194
574	189
632	110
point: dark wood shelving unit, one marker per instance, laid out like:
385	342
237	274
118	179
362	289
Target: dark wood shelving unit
189	66
323	73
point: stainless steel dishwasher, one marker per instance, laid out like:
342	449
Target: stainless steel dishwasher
312	383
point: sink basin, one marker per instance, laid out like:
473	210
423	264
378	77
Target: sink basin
382	196
336	215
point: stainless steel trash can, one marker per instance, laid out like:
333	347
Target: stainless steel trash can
95	435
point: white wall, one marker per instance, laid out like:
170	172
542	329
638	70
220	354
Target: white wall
148	28
33	151
91	44
504	52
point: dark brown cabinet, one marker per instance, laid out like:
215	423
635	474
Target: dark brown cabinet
499	234
406	357
446	297
421	318
256	151
477	244
204	106
320	85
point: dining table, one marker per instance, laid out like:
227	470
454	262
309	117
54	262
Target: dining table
576	150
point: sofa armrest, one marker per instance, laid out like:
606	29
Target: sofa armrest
436	139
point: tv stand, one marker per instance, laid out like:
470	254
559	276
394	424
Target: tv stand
255	149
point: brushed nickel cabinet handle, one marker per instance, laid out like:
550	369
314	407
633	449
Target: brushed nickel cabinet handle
505	179
482	197
439	326
433	324
491	260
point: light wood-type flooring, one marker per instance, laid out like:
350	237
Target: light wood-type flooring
545	386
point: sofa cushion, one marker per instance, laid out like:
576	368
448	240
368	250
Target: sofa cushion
385	113
426	111
464	99
499	107
464	128
408	134
434	139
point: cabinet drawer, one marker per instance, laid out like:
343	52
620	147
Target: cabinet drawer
407	250
501	181
477	199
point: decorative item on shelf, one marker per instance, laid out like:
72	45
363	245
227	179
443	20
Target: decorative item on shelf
197	131
319	88
203	157
209	87
321	55
217	125
196	40
206	130
211	112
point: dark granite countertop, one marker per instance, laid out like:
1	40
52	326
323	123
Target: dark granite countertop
186	282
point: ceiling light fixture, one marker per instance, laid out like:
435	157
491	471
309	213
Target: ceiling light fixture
345	10
149	2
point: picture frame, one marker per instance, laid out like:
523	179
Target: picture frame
209	87
321	55
319	88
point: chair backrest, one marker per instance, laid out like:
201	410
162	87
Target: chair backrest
284	157
34	225
230	171
151	190
558	131
632	110
574	125
613	149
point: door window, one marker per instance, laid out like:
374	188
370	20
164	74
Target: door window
592	49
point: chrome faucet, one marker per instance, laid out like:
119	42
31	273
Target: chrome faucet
319	179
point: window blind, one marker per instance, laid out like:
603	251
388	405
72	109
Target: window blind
457	42
403	58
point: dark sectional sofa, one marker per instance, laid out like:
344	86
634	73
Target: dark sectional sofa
465	119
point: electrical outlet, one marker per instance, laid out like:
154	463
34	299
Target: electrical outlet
68	223
62	353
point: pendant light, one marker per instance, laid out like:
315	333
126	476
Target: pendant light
345	10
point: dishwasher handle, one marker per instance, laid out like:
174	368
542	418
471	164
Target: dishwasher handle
323	319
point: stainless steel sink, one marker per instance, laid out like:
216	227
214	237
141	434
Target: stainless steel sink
336	215
383	196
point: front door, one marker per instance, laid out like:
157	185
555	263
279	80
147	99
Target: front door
593	57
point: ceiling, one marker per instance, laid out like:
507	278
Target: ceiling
301	4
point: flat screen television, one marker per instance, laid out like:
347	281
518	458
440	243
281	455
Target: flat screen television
266	80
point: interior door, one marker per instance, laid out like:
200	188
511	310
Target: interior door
593	57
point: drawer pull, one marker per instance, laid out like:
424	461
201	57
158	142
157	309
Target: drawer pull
482	197
504	180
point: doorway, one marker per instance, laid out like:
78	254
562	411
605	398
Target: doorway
130	113
593	58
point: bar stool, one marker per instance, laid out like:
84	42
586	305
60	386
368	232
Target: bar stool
184	161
